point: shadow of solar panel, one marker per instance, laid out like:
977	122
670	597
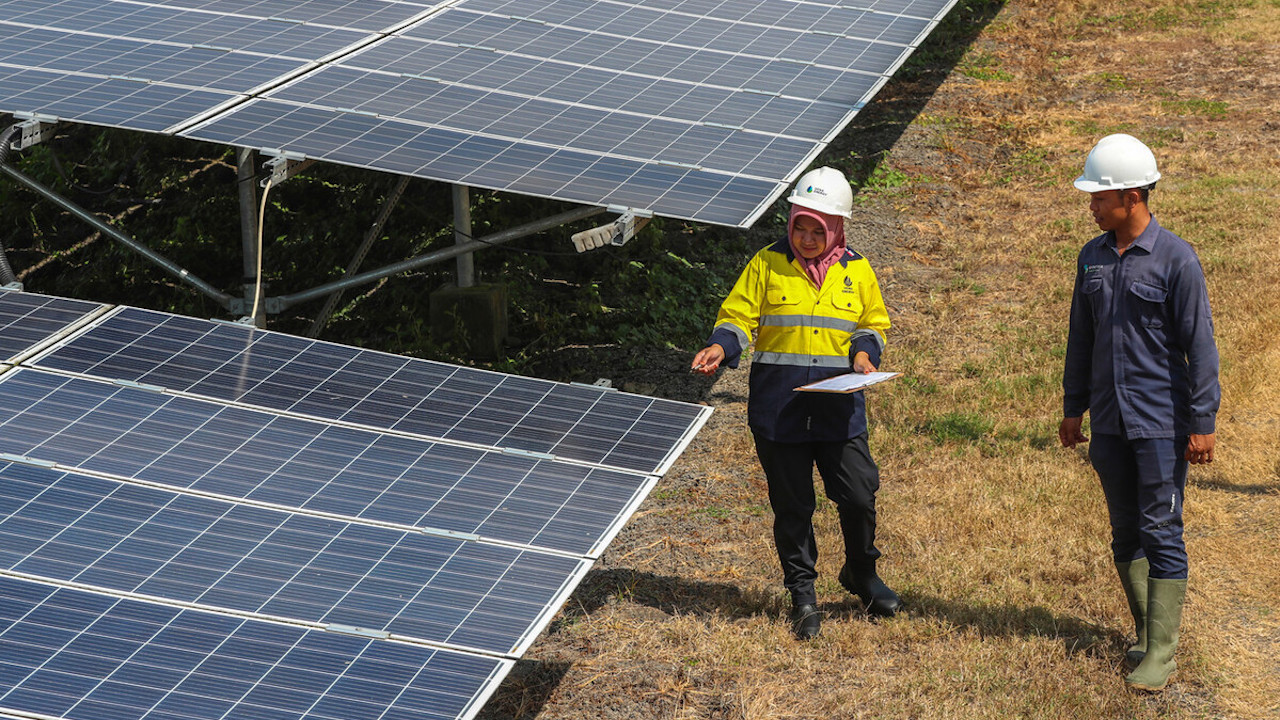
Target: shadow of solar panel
284	373
80	655
119	537
191	444
27	320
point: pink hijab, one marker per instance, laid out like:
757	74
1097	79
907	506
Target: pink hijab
817	267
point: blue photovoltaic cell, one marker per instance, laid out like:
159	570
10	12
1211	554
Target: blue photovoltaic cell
26	320
235	27
84	656
103	101
146	66
237	453
367	15
278	372
73	528
214	69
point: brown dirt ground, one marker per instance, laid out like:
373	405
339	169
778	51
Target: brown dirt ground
657	571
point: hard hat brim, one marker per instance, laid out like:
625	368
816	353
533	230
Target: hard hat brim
1092	186
816	207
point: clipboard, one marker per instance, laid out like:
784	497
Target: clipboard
848	383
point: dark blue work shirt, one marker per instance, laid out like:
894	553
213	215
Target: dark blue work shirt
1140	349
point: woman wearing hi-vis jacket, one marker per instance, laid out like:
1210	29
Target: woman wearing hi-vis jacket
815	309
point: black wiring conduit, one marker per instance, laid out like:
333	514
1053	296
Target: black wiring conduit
6	141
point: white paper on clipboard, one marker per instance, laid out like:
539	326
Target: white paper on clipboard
849	382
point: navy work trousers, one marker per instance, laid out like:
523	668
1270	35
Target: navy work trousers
1144	480
850	478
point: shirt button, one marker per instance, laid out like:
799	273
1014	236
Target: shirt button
815	332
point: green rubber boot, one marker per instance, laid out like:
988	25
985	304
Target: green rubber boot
1133	578
1164	615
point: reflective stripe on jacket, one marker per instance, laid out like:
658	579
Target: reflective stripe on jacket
802	334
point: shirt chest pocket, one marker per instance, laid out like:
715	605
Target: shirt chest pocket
1148	301
782	301
846	306
1091	289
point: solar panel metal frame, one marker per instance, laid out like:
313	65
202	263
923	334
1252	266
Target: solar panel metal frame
72	355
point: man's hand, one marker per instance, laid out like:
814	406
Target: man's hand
862	363
708	359
1069	432
1200	449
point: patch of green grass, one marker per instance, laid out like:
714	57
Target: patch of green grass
982	66
1196	106
923	387
959	426
1111	80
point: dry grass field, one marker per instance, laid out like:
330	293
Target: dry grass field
995	536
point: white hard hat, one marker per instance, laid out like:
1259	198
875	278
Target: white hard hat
1118	162
825	190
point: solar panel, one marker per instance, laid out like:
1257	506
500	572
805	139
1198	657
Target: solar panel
236	453
27	321
217	555
688	108
151	66
278	372
79	655
692	110
279	532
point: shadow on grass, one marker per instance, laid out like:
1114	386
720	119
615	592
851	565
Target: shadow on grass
1262	488
675	595
860	147
532	683
671	594
1077	636
525	690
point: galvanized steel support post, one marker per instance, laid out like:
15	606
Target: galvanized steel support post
462	234
248	191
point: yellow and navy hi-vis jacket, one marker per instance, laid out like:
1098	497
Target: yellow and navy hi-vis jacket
802	333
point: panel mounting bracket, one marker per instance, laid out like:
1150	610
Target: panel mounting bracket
35	129
630	221
284	165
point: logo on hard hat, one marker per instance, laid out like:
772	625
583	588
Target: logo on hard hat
814	190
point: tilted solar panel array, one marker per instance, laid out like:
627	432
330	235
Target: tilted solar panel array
699	109
226	547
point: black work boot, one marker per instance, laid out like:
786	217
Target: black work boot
876	597
806	621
